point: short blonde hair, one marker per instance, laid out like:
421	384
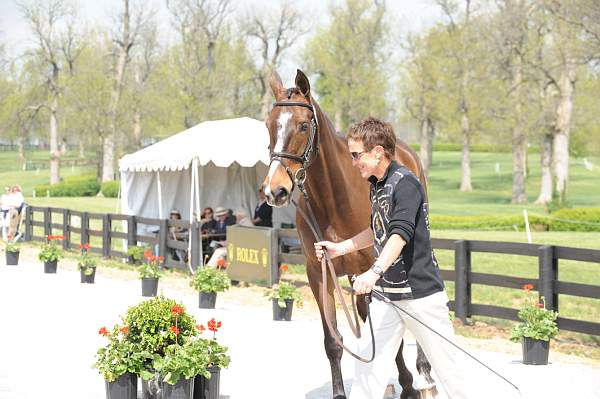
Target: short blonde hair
372	132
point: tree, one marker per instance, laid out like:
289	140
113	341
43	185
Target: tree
349	58
57	50
463	55
130	23
275	33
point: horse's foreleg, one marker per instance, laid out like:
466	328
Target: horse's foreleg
405	377
332	349
427	387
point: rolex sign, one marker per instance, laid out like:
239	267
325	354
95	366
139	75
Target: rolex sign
249	253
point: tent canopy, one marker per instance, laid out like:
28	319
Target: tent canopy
242	140
231	158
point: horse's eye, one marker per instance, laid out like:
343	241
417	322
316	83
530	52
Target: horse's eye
304	127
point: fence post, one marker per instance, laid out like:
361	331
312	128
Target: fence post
47	222
65	228
274	256
131	233
162	238
462	285
196	241
548	266
106	227
85	226
28	223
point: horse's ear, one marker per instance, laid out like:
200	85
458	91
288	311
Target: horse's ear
275	83
302	83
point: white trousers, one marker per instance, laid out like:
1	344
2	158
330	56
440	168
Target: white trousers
389	324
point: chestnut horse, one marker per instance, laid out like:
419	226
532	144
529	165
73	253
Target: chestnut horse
306	149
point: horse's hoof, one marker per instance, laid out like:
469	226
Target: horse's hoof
339	397
410	394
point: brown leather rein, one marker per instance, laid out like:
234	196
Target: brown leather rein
310	152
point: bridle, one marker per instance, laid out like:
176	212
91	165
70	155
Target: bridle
311	151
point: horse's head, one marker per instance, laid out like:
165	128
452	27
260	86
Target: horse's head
293	132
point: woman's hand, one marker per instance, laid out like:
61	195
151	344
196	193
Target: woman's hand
334	249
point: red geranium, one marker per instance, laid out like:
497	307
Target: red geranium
84	246
214	325
124	330
284	268
148	254
174	329
177	310
200	328
103	331
528	287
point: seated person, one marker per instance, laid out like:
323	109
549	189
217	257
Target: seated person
208	222
241	217
263	214
222	223
16	199
178	233
230	217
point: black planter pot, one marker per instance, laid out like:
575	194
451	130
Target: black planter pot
207	300
184	389
50	267
12	258
149	286
535	351
88	279
150	389
208	388
283	314
125	387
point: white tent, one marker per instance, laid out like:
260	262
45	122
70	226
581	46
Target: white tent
215	163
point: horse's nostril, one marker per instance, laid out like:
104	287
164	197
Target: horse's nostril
280	194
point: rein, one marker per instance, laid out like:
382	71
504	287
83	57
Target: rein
298	179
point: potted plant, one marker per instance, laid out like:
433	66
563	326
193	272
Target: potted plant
12	253
283	296
86	264
207	384
208	281
51	253
539	325
150	273
120	361
135	254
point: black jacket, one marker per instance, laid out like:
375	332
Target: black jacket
398	206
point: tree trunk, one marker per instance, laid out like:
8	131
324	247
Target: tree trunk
562	129
54	152
21	147
546	162
427	132
338	120
519	139
81	148
465	184
108	172
137	128
265	104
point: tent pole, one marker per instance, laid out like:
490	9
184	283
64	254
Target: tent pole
190	235
197	191
159	188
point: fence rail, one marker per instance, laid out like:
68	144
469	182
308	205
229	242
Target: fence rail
547	284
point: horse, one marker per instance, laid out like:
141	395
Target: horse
10	225
307	151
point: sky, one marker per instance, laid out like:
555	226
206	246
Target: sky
406	15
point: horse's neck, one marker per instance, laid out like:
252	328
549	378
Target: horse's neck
325	177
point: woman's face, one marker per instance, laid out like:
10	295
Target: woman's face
365	161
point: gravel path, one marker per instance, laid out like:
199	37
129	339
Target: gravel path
48	338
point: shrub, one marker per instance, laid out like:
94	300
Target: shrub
577	219
110	189
78	186
208	279
485	222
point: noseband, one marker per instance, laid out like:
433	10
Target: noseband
311	150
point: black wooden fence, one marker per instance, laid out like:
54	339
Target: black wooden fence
547	283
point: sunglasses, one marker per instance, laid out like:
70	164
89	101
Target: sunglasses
356	155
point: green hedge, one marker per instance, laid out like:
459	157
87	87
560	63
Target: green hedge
110	189
578	219
566	219
474	147
79	186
